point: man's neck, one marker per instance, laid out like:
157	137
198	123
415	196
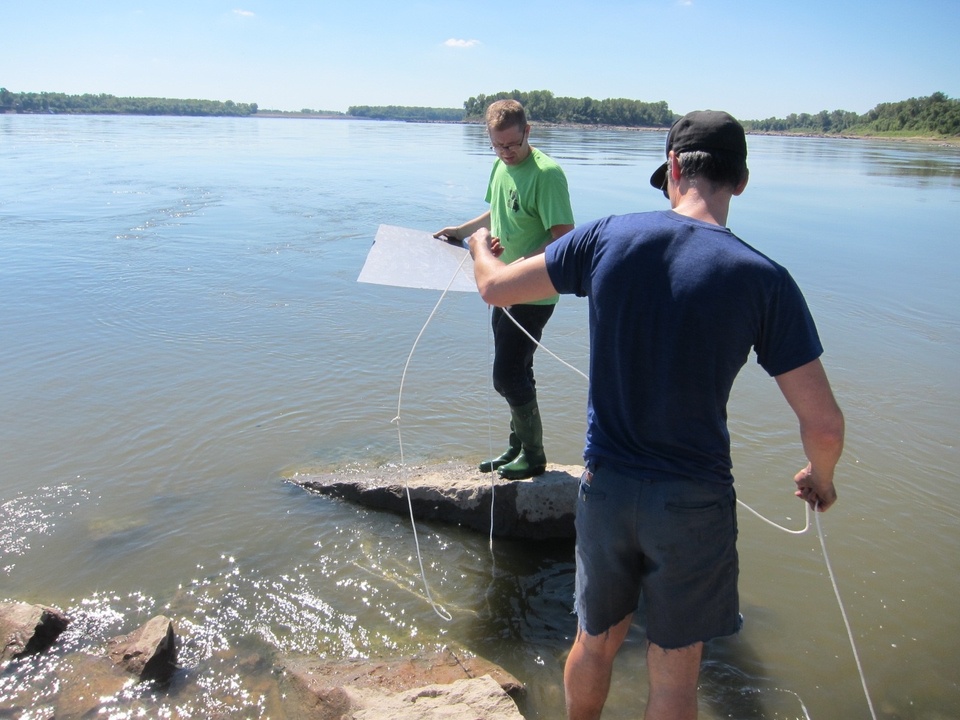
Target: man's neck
710	208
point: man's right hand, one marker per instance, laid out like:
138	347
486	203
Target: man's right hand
448	234
818	492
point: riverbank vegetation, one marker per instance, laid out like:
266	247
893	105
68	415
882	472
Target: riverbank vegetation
544	106
935	116
408	114
63	104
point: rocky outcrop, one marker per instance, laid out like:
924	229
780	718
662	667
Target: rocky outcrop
27	629
440	686
463	699
541	508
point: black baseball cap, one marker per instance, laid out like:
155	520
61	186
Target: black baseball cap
702	130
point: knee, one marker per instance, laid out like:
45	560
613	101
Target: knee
601	649
516	391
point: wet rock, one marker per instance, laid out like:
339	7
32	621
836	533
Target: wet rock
27	629
445	685
540	508
87	685
150	652
463	699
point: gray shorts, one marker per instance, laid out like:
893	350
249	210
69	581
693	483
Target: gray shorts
672	541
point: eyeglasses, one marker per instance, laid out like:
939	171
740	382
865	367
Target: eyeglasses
509	147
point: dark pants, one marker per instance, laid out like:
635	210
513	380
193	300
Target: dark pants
513	351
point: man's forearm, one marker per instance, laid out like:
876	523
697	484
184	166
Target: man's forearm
471	226
504	285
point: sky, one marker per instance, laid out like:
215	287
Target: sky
754	59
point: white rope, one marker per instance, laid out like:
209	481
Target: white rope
493	475
446	616
843	613
439	610
547	350
806	525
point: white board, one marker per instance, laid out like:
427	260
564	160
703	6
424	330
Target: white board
403	257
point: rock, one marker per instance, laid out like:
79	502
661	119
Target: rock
149	652
27	629
476	699
541	508
86	685
444	685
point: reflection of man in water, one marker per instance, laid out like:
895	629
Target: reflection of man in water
529	208
677	302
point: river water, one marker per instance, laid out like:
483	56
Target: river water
182	332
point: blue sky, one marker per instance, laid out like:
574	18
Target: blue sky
754	59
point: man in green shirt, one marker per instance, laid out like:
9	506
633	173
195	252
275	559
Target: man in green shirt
529	209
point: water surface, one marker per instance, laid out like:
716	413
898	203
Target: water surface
182	331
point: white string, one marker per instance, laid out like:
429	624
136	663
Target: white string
806	525
843	613
547	350
439	610
493	475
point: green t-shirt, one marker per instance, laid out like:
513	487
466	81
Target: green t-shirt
526	200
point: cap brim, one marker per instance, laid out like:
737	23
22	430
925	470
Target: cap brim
659	177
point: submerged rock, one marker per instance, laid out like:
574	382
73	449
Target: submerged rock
541	508
27	629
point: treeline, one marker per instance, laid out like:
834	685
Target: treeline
925	116
60	103
935	115
540	105
408	114
544	106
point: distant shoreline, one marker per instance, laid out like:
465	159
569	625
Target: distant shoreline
945	141
922	139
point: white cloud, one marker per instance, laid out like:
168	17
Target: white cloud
457	43
243	13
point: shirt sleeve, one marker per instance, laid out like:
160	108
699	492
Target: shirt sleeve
788	336
554	198
570	259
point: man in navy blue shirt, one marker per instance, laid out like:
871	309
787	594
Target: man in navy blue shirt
677	303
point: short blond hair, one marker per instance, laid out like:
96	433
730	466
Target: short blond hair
504	114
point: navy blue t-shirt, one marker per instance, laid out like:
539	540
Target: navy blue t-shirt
676	305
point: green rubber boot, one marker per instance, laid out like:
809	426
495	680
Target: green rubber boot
509	454
531	461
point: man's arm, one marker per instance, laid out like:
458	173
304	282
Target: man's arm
808	392
556	232
462	232
504	285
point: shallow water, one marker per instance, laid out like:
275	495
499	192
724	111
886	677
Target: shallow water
182	330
